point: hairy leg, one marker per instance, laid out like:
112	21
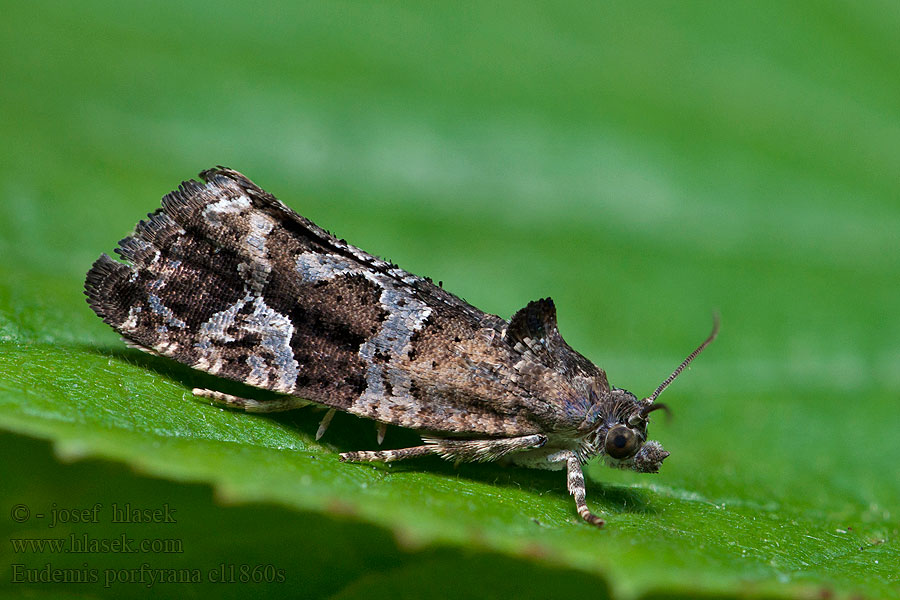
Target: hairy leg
575	484
450	449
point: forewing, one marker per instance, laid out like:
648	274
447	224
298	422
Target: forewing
227	279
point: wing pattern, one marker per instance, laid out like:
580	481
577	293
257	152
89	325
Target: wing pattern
227	279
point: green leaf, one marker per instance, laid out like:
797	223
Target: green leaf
643	165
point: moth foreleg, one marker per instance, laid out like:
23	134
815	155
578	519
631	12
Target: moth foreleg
456	450
575	483
249	405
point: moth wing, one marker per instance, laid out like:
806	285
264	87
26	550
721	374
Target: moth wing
227	279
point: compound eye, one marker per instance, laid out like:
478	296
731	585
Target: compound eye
621	442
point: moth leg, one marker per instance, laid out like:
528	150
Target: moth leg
249	405
326	421
386	455
575	483
450	449
484	450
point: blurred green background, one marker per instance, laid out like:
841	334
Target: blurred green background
644	164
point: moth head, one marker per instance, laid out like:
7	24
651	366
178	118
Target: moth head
624	437
615	429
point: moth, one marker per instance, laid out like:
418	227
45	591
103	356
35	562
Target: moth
228	280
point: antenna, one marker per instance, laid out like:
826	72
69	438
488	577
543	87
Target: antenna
649	401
